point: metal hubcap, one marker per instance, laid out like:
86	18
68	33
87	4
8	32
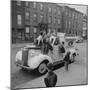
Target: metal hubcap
42	68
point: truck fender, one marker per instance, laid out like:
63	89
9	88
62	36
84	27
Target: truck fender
35	61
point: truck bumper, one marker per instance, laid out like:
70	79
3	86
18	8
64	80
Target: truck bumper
22	66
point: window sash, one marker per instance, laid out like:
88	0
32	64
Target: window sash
27	30
49	19
27	3
59	12
35	17
59	21
19	3
34	5
41	6
50	9
34	29
27	14
19	18
54	20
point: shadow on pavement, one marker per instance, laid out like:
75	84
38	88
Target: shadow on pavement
22	76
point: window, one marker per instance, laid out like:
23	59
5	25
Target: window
19	18
27	15
54	10
76	16
19	3
73	15
34	5
41	17
66	13
59	12
49	19
66	23
49	9
27	30
19	35
69	14
35	17
54	20
58	21
41	6
27	3
69	24
35	30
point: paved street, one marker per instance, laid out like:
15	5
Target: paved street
77	71
75	76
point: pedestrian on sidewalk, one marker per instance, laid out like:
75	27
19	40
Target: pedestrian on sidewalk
51	79
67	59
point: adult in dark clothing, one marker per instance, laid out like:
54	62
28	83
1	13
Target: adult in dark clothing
46	45
62	49
67	59
51	79
45	50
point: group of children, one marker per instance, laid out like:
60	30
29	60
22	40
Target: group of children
43	41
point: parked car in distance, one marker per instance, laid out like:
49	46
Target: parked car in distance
79	40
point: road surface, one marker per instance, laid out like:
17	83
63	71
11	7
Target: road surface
23	79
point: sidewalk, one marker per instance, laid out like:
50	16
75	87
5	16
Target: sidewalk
77	75
20	45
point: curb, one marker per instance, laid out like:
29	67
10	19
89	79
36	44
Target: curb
20	45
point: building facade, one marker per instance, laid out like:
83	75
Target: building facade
30	18
17	20
72	21
85	27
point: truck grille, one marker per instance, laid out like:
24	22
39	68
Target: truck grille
25	57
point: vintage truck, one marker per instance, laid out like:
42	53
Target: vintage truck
31	57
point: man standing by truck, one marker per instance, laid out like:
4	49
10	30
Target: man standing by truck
67	59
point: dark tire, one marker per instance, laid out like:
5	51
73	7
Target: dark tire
42	68
23	69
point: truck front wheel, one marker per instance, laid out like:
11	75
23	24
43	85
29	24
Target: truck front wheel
42	68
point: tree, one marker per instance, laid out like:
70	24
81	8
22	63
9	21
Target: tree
43	26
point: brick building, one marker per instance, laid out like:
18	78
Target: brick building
85	27
72	21
17	20
27	17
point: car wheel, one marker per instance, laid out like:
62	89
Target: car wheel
23	69
42	69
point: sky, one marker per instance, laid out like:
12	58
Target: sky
81	8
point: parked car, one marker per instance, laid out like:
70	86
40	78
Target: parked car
79	40
31	57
